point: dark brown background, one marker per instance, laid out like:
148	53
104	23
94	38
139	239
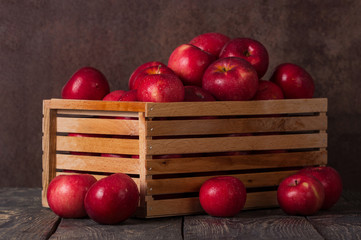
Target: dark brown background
42	43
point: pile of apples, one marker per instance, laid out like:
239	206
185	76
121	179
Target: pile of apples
210	67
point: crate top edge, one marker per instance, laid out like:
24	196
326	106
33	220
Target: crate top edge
215	108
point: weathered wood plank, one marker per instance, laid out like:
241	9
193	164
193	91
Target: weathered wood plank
23	217
265	224
165	228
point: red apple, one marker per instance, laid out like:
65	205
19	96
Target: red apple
130	96
331	181
268	90
196	94
160	69
139	69
300	194
114	96
112	199
189	63
294	81
222	196
66	194
249	49
160	88
87	83
231	79
114	155
211	42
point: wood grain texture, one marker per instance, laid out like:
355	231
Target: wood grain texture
236	125
273	225
97	105
230	108
246	143
97	145
98	164
23	217
97	126
238	162
166	228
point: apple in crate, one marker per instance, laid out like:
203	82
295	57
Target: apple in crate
197	94
331	181
189	63
211	42
231	79
87	83
222	196
249	49
294	81
139	69
112	199
66	194
300	194
114	96
268	90
160	88
160	69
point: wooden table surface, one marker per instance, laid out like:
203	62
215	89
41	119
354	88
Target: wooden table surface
23	217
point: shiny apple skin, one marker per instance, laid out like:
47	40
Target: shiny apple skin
331	181
294	81
114	95
87	83
112	199
249	49
222	196
66	194
160	88
197	94
189	63
211	42
139	69
300	194
231	79
268	90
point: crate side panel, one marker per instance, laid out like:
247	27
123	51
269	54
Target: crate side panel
97	145
236	125
98	164
247	143
229	108
238	162
97	126
193	184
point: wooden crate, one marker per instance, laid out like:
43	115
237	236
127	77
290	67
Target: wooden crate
259	142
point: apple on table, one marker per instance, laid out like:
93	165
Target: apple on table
66	194
300	194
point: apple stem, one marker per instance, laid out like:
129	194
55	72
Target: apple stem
158	70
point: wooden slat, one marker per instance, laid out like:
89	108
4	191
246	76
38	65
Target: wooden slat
218	108
97	113
193	184
98	164
236	125
224	144
97	145
186	206
97	126
240	162
49	148
97	105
